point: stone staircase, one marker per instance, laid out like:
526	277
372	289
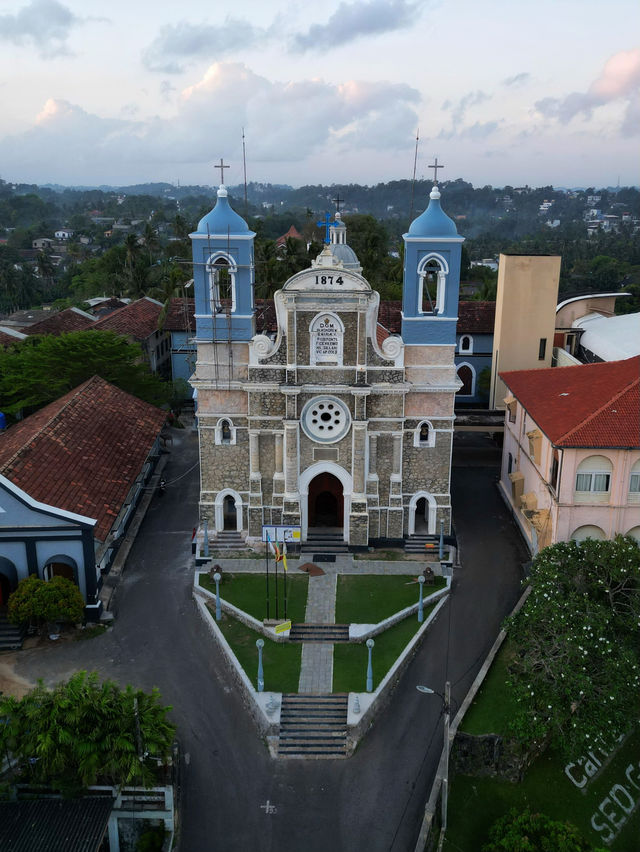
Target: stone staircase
11	636
319	633
417	544
313	726
228	540
325	543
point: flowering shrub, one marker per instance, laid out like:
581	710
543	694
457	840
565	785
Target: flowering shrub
576	672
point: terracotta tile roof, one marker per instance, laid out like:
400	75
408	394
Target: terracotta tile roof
71	319
381	334
293	233
390	316
591	405
108	306
139	319
265	316
84	451
476	317
9	336
180	315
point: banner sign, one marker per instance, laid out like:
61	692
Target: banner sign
274	534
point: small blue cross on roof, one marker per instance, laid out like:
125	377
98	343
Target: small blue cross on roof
326	224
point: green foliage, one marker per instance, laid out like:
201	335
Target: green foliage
21	604
151	840
530	832
41	369
84	731
34	600
576	671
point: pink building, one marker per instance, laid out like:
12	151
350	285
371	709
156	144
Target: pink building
571	456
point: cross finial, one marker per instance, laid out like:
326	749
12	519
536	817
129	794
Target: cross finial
221	166
338	201
326	223
435	168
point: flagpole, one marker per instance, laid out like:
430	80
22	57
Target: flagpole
267	573
284	565
275	568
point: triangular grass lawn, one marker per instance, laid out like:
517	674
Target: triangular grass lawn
350	660
370	598
249	593
280	660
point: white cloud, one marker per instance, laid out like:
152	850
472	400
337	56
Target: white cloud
459	108
43	24
619	81
178	45
517	79
284	123
351	21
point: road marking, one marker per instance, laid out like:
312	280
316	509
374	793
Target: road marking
187	758
269	808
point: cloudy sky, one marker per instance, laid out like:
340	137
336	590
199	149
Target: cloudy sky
503	92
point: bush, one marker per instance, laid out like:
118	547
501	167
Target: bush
528	832
37	601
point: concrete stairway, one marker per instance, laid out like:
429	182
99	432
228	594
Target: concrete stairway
325	543
228	540
416	543
319	633
313	726
11	636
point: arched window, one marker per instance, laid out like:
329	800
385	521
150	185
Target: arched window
424	435
634	483
221	270
433	272
588	531
466	343
225	431
467	376
593	480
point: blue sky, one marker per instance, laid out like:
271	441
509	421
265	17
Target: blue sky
503	92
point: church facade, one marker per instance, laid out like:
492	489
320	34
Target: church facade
326	420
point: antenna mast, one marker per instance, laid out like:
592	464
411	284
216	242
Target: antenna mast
413	181
244	165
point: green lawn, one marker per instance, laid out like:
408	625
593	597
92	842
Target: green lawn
475	803
494	703
248	593
281	661
350	660
370	598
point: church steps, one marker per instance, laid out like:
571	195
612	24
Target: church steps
417	543
319	633
11	635
313	726
228	540
325	543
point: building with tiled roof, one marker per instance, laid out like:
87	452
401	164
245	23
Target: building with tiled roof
70	476
9	336
474	348
71	319
292	234
571	457
139	321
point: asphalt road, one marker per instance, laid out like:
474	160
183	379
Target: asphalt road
233	795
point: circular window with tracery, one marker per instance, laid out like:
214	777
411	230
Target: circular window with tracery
325	419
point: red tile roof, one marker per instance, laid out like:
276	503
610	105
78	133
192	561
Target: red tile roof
591	405
139	319
476	317
390	316
293	233
10	336
180	315
70	319
84	451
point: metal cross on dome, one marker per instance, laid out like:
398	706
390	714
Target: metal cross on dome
435	168
338	201
326	224
221	166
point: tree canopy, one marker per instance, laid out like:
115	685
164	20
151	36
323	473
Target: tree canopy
576	671
533	832
37	601
83	732
38	370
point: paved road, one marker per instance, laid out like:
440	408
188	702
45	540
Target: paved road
372	801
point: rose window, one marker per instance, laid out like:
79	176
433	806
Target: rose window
325	419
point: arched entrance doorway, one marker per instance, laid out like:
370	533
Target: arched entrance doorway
5	590
229	514
326	501
8	579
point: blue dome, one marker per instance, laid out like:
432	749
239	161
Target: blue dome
434	222
222	220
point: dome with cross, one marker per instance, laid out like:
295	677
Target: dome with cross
222	220
434	222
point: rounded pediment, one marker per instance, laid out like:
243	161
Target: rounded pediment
327	279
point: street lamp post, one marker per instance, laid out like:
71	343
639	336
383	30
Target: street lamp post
446	709
441	554
260	646
370	644
420	601
217	579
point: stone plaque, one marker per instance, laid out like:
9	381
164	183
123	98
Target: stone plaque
326	454
327	344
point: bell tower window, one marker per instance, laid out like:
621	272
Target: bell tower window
433	276
221	271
